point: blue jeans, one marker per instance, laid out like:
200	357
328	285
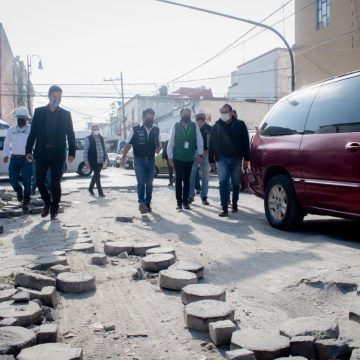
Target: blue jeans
204	168
145	171
19	166
229	169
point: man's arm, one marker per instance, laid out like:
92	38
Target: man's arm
127	146
213	135
199	141
245	143
71	138
33	135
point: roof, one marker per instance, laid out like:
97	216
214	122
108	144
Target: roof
195	93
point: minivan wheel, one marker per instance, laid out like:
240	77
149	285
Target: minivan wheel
83	170
281	205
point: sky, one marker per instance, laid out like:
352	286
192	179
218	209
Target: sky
83	42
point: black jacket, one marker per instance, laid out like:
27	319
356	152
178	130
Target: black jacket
92	152
229	140
64	131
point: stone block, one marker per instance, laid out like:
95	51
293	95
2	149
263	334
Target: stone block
240	354
83	247
27	313
221	332
265	345
58	269
99	259
189	265
319	328
161	250
49	314
7	294
355	355
139	249
176	279
354	313
197	292
44	263
332	349
48	333
51	351
33	280
21	296
47	296
198	315
9	322
303	346
15	338
75	282
114	248
155	263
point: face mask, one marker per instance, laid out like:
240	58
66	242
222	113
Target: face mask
148	123
225	116
96	132
21	122
186	119
55	102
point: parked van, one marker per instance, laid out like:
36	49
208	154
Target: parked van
78	165
3	167
305	157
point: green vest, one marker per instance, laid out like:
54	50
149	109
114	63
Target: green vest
185	142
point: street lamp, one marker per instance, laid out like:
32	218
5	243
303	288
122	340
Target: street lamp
249	22
40	67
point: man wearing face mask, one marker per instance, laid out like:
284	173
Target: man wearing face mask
145	140
15	143
185	140
50	129
94	156
228	146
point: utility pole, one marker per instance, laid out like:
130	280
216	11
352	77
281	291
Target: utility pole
122	100
29	70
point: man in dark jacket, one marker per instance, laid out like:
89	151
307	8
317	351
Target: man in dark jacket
50	128
94	156
145	140
228	146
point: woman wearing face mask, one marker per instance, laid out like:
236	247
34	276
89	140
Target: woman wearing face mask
185	139
94	156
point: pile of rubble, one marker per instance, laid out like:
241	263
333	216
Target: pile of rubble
206	310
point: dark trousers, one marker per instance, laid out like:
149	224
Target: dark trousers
56	167
182	181
96	168
171	173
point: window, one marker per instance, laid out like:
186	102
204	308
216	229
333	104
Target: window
323	13
288	116
336	108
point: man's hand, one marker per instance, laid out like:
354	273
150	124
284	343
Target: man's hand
171	163
71	159
199	159
213	167
28	157
87	165
6	159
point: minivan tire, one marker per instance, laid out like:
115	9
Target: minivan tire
281	205
82	171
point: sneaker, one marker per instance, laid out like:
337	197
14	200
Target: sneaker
190	200
142	208
205	201
179	207
187	207
19	195
148	208
101	194
53	216
45	211
26	205
91	191
234	209
224	213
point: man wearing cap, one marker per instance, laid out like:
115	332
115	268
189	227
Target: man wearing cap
15	144
228	146
51	129
205	130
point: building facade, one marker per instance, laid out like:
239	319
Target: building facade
327	39
266	78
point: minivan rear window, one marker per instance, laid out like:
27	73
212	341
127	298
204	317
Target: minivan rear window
336	108
289	115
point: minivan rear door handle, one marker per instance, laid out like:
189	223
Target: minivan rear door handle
352	147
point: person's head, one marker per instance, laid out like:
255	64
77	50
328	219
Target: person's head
95	129
226	113
185	115
148	117
54	95
200	118
22	116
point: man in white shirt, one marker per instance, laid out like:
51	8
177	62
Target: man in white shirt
14	148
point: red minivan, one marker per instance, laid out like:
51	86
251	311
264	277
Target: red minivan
305	156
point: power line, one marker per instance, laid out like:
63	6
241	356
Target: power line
227	47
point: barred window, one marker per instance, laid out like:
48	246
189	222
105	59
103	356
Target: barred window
323	13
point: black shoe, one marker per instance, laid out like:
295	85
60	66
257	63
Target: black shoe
101	194
190	200
33	190
26	206
20	195
45	211
171	184
149	209
205	201
91	191
179	207
53	216
187	207
234	209
224	213
142	208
